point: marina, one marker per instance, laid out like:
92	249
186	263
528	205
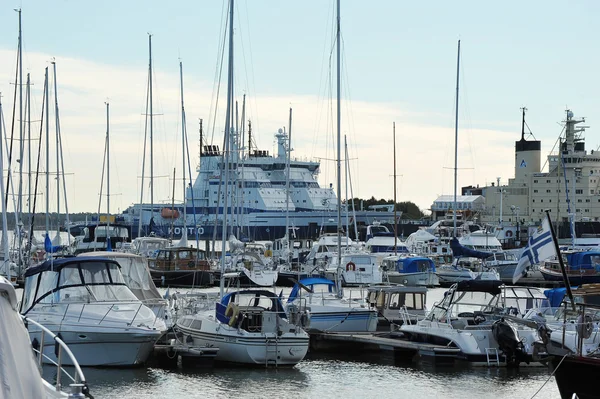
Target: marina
252	266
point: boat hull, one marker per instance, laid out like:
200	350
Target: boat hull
102	349
182	278
578	375
425	279
574	279
343	321
244	348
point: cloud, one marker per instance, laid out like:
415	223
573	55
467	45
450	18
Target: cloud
425	142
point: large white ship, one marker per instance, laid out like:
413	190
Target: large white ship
257	198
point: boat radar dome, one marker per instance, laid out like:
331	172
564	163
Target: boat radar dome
280	131
570	114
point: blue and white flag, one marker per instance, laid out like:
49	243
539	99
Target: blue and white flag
540	247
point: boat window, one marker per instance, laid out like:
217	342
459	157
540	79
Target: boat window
396	300
29	293
162	255
134	273
184	254
410	302
361	260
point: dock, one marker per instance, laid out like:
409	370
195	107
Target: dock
383	341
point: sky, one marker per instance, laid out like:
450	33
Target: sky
398	65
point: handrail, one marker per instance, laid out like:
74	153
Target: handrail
62	347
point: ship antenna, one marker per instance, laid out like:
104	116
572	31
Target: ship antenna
523	124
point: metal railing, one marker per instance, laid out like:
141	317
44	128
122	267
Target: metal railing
79	385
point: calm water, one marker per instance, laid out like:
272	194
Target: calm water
374	375
321	377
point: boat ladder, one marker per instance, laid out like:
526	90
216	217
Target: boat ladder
272	346
494	359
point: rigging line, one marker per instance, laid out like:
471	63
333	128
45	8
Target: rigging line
218	73
322	85
37	169
554	146
467	116
102	178
550	376
12	129
144	157
349	114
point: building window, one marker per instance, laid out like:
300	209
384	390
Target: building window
579	200
534	200
535	191
549	200
548	191
579	191
587	200
535	181
548	181
541	200
587	210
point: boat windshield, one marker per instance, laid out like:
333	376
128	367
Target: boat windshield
88	282
455	303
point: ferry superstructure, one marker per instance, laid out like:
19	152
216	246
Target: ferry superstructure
258	197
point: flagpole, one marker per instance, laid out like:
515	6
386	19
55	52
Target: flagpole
560	261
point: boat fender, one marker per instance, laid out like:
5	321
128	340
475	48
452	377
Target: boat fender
508	233
232	312
268	253
350	267
584	326
305	319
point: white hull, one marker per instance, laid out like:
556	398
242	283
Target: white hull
242	347
118	349
426	279
451	277
350	320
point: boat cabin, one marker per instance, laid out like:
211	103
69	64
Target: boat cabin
180	258
74	280
251	310
397	303
413	264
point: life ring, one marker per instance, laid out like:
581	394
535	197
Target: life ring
350	267
232	312
508	233
268	253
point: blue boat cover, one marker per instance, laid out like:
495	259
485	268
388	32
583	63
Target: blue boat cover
310	282
459	250
415	264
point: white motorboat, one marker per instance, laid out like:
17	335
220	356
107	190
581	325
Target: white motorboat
473	319
20	375
148	247
357	268
251	268
249	327
86	302
329	312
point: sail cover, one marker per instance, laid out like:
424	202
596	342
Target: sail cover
461	251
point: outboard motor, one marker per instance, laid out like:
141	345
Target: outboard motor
509	343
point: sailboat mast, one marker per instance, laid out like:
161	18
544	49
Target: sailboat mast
456	141
227	147
19	209
28	96
151	128
5	247
57	154
184	232
287	186
395	211
47	83
339	148
107	172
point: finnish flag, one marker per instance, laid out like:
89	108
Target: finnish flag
540	247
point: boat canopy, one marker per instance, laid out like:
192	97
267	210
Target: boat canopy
584	260
135	274
74	280
415	265
460	251
489	286
260	299
310	283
